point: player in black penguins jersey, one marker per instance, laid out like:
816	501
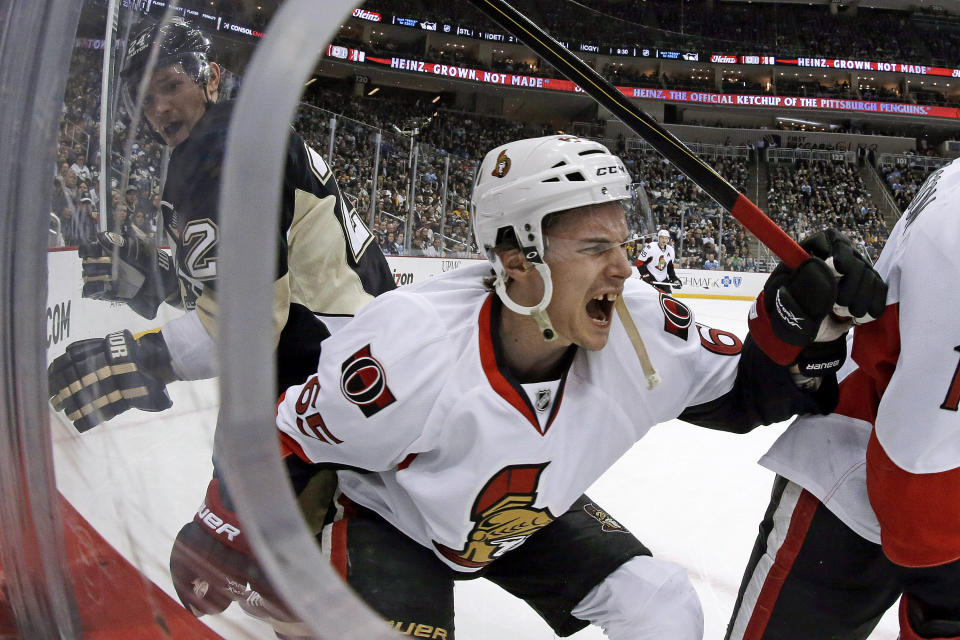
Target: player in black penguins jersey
328	263
328	267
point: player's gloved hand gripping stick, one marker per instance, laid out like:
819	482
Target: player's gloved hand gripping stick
127	270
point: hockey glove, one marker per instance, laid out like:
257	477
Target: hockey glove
211	564
800	306
127	270
99	378
819	358
861	292
675	283
916	625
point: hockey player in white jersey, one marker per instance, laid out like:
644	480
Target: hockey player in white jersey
655	263
468	413
866	504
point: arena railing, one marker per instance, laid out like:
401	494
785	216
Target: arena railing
792	155
702	149
393	178
928	163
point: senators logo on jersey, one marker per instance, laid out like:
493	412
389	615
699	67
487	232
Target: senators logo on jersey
504	516
677	316
364	383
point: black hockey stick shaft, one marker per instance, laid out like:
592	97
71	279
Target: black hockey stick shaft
601	90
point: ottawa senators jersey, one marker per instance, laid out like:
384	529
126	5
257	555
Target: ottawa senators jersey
414	391
328	262
655	260
887	461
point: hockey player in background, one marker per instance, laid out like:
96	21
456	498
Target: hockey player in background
865	508
465	445
328	265
655	263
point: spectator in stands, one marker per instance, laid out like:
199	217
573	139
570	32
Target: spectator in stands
80	168
435	250
390	246
711	263
77	226
84	191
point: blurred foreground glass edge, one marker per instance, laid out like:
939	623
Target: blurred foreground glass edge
33	562
36	39
246	435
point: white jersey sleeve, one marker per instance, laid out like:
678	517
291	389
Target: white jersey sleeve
371	395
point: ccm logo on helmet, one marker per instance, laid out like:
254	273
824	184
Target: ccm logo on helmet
364	383
603	171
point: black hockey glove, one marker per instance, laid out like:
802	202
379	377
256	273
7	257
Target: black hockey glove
819	358
916	625
861	292
99	378
818	301
675	283
211	564
127	270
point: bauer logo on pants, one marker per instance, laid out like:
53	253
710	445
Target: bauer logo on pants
364	383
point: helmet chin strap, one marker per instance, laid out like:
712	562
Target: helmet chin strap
538	311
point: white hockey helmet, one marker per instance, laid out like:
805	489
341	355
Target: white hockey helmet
663	233
520	183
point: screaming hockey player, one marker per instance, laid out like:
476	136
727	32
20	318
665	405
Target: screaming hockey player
655	263
468	413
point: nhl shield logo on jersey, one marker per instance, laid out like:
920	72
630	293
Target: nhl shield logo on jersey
364	383
503	165
542	400
504	516
607	523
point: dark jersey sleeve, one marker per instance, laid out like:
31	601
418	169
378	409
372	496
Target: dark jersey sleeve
763	393
308	182
671	274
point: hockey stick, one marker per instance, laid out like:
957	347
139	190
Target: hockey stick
601	90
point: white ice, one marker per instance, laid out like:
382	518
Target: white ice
691	495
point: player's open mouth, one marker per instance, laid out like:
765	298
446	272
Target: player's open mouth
171	129
600	309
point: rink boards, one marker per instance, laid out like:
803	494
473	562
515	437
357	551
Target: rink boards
70	317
